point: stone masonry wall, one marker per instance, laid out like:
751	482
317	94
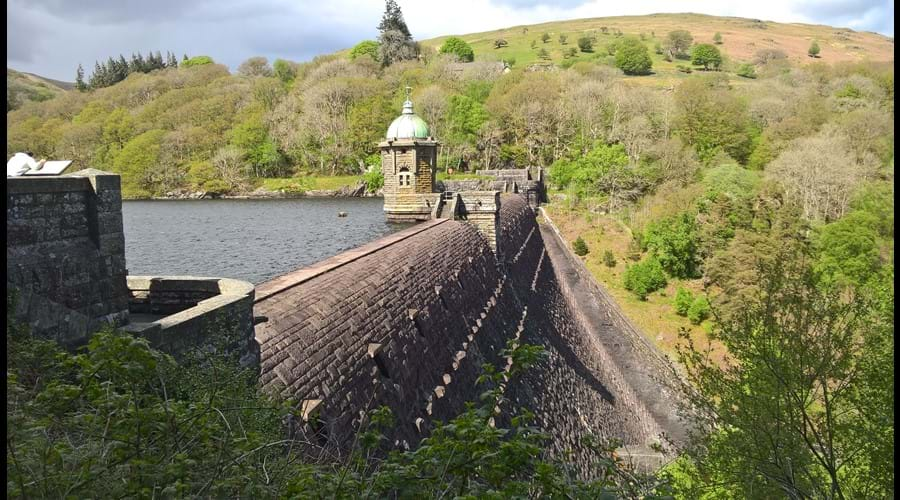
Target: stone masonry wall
408	320
201	315
65	253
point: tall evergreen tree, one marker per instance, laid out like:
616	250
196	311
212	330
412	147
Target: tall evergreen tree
185	58
392	20
122	67
79	79
137	63
96	77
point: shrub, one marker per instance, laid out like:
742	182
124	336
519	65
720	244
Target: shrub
683	301
746	71
699	310
814	49
365	48
374	179
543	54
609	259
197	61
500	43
717	38
585	44
706	55
459	47
684	69
673	241
632	57
580	247
644	278
545	37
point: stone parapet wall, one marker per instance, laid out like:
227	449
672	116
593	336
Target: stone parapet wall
481	209
65	253
198	315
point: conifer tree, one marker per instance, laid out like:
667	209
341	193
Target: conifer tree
392	20
79	79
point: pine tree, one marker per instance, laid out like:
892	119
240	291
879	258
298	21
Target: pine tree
79	79
392	20
96	77
185	58
160	64
122	68
134	65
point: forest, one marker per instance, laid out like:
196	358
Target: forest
748	203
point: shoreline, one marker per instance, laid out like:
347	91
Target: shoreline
260	195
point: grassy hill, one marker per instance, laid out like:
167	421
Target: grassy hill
21	87
742	38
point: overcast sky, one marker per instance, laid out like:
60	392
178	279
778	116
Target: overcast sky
51	37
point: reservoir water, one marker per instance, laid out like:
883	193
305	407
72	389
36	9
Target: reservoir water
251	240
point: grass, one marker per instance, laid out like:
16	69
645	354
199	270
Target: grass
655	317
742	38
309	183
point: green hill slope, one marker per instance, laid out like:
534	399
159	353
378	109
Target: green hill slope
742	38
22	87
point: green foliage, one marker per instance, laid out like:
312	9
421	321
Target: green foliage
609	259
545	37
365	48
563	39
500	43
465	118
699	310
644	278
683	301
673	241
849	91
257	148
138	163
713	120
877	199
746	70
717	38
585	44
543	54
848	249
684	69
121	419
678	43
458	47
814	49
197	61
632	57
706	55
602	169
374	179
580	247
284	71
809	382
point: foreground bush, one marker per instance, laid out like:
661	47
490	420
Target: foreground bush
123	420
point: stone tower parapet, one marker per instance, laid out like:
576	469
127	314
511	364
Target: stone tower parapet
65	253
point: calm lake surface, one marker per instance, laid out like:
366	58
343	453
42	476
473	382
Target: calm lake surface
251	240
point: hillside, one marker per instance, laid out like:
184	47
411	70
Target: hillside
742	38
21	87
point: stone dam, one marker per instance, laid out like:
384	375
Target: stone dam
408	320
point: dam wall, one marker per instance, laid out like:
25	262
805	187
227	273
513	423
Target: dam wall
408	320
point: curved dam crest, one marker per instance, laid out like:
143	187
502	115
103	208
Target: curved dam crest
408	320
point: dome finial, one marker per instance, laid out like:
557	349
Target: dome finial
407	105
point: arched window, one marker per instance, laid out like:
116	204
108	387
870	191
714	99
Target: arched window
404	178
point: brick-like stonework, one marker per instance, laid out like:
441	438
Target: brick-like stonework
205	314
417	159
65	253
408	320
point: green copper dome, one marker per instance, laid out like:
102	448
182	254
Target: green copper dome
407	125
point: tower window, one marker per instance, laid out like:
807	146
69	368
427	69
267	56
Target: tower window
404	179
